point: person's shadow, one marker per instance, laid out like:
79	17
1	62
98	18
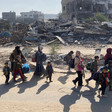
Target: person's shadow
68	100
29	84
103	105
5	88
63	79
43	87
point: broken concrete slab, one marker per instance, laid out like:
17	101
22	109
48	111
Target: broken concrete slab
61	40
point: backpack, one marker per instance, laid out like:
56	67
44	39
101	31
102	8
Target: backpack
72	63
89	66
65	58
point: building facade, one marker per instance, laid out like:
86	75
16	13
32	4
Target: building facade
9	16
80	9
32	16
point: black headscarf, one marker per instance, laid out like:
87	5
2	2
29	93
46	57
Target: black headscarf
18	50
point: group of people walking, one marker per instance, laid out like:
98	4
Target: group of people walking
102	76
17	60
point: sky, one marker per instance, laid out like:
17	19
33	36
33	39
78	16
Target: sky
45	6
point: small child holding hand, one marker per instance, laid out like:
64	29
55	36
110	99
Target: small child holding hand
6	72
49	71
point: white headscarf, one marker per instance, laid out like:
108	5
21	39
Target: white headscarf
40	48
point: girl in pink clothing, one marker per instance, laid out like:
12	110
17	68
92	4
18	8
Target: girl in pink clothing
79	69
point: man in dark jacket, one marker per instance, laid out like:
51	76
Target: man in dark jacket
94	69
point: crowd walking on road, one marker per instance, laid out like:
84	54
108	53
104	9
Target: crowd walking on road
101	75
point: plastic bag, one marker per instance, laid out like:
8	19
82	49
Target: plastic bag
26	68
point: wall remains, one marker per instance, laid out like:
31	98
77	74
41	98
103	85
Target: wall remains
85	8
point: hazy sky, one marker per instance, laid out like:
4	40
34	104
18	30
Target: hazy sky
46	6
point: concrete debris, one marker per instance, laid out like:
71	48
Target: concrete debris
4	25
48	43
61	40
110	40
68	24
109	24
8	44
52	30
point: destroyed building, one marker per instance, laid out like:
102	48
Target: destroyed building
85	8
9	16
31	16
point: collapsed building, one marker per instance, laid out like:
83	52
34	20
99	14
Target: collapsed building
80	9
9	16
32	16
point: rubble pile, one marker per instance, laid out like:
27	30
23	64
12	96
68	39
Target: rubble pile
17	37
47	32
4	25
20	27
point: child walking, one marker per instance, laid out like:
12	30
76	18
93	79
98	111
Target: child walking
94	69
6	72
104	80
17	68
49	71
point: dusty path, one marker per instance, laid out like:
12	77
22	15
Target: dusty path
59	96
36	95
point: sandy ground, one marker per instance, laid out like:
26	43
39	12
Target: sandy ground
36	95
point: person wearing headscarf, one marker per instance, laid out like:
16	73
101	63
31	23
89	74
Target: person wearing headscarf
68	58
40	57
79	69
110	71
108	56
16	52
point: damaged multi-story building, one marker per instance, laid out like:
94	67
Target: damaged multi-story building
9	16
80	9
30	17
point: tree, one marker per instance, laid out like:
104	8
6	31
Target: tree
89	20
100	17
54	48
